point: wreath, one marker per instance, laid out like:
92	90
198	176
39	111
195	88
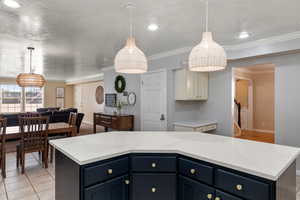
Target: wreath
120	84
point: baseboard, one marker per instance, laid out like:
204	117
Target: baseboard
264	131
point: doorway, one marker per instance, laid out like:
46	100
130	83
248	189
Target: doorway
154	101
254	100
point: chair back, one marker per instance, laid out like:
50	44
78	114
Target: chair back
3	123
30	114
72	119
34	132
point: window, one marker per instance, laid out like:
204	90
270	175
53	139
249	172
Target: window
33	99
16	99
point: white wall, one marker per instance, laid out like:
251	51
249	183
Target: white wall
85	100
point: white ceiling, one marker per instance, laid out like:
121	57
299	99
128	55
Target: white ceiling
75	38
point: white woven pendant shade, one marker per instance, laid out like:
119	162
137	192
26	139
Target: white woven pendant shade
207	56
131	59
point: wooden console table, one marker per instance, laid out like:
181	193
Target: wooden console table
116	122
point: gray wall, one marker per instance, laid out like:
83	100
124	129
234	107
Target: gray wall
132	85
218	107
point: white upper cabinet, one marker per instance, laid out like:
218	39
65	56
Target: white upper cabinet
190	86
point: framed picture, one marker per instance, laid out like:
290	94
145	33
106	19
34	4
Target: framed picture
60	92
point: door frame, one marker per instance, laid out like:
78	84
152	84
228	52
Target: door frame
165	95
250	98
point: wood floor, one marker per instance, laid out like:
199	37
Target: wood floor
257	136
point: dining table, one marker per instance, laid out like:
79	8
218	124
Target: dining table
13	132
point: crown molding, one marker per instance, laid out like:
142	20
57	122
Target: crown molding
248	71
85	79
107	68
242	46
170	53
264	41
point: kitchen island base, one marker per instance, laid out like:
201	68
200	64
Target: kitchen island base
164	176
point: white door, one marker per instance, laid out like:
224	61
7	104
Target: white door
154	101
77	98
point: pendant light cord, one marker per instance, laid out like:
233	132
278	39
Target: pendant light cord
206	27
130	7
30	60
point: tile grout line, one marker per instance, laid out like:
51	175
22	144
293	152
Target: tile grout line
5	190
32	186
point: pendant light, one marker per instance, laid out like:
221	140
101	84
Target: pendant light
207	56
30	79
131	59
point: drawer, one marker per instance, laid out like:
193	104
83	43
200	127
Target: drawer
193	190
225	196
154	186
105	171
113	189
196	170
245	187
153	163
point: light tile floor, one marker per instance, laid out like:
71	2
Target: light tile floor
37	183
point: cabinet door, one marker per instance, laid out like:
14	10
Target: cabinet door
116	189
154	187
193	190
225	196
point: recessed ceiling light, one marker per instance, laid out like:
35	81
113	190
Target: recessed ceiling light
11	4
244	35
152	27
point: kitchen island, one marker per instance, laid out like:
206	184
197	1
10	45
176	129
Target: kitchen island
172	166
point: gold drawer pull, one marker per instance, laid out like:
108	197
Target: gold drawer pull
193	171
127	182
153	189
209	196
217	198
109	171
239	187
153	165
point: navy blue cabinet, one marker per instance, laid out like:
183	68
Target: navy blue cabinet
189	189
224	196
242	186
154	186
115	189
156	177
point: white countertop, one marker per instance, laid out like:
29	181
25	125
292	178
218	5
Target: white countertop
260	159
194	124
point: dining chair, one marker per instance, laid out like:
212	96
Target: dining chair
30	114
3	123
34	134
72	122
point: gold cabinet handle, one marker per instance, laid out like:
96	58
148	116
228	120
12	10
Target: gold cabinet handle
217	198
127	182
153	165
109	171
153	189
209	196
239	187
193	171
